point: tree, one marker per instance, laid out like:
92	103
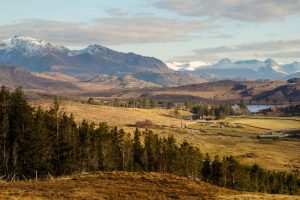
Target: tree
84	144
231	171
5	101
41	145
20	130
206	169
101	136
216	171
189	162
151	147
138	151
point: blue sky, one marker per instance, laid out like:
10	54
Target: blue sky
172	30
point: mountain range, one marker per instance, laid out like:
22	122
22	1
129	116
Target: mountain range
239	70
43	56
43	68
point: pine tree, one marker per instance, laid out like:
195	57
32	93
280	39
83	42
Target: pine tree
231	171
20	129
41	146
138	151
84	145
216	171
101	135
206	169
116	148
5	101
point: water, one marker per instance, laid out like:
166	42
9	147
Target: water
256	108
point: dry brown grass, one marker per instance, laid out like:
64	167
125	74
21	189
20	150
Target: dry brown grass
120	117
122	185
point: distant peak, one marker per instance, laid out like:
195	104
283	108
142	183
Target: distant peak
91	49
271	63
225	61
98	46
270	60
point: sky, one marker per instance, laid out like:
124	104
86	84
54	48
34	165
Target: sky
171	30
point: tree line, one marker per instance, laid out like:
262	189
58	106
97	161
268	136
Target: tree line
217	111
143	103
50	142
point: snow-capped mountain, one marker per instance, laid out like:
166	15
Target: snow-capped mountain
246	69
30	47
40	55
190	66
292	68
91	50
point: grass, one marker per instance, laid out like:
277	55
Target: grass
121	117
275	124
123	185
239	141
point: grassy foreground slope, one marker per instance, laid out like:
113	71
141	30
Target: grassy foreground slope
123	185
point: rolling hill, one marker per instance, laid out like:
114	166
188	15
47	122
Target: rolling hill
13	77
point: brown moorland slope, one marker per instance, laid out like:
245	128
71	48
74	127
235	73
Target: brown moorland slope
218	91
123	185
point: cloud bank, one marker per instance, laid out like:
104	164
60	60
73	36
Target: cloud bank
107	31
243	10
283	49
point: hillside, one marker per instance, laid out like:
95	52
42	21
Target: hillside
13	77
123	185
141	85
225	90
288	92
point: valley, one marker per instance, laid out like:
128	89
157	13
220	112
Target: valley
156	99
112	81
238	138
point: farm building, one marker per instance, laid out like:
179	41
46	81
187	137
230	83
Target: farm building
272	137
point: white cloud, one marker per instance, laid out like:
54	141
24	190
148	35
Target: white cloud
107	31
282	49
244	10
270	46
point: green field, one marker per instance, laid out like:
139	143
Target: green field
274	124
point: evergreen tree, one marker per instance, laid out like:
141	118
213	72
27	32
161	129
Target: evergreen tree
20	130
151	147
5	101
41	145
206	169
138	151
216	171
